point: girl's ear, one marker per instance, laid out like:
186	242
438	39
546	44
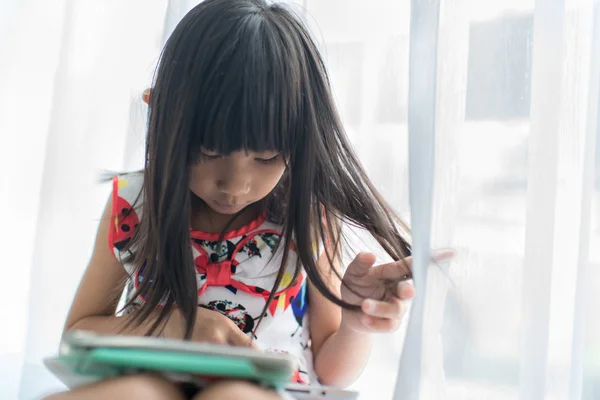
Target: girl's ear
146	95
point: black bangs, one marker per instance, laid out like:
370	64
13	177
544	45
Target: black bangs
242	87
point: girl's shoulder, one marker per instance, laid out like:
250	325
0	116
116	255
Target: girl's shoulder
127	199
128	188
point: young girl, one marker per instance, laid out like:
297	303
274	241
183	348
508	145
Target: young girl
232	232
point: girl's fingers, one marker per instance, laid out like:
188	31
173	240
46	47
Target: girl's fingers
380	325
239	338
392	309
397	270
393	271
361	265
405	291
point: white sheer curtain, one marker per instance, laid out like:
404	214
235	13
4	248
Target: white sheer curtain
71	77
517	182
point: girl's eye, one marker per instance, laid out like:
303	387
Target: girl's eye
268	160
210	156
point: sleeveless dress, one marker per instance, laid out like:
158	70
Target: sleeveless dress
233	277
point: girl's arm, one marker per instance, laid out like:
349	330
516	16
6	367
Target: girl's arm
340	354
97	297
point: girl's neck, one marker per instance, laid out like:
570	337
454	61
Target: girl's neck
205	219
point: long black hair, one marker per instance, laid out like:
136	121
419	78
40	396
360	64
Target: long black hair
245	74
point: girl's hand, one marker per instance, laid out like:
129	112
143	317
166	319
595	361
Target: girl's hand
379	293
211	326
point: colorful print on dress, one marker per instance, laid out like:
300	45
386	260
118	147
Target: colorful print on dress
219	251
249	265
235	312
125	223
297	376
299	307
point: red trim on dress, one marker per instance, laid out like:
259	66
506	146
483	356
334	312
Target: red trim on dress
113	214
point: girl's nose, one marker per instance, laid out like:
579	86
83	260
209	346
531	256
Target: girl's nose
235	184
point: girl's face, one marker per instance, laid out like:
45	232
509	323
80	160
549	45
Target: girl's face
229	183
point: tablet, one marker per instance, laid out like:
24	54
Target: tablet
86	357
97	356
